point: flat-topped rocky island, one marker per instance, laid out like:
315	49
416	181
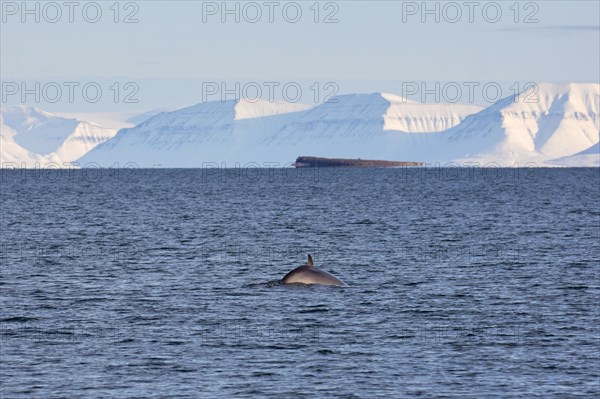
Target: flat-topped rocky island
314	162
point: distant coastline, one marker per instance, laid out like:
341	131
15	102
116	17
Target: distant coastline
313	162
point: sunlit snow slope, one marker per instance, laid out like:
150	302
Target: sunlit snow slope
355	125
544	123
31	136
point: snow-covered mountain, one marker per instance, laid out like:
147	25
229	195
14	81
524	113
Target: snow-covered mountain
355	125
207	132
549	125
541	124
30	136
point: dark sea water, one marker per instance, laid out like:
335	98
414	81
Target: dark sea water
164	283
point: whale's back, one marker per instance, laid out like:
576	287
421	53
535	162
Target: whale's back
310	275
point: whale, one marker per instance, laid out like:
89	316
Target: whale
309	274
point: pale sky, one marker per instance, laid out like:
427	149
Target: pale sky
374	46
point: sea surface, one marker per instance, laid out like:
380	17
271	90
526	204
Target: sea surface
463	282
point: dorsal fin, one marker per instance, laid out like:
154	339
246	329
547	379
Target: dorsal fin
310	261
